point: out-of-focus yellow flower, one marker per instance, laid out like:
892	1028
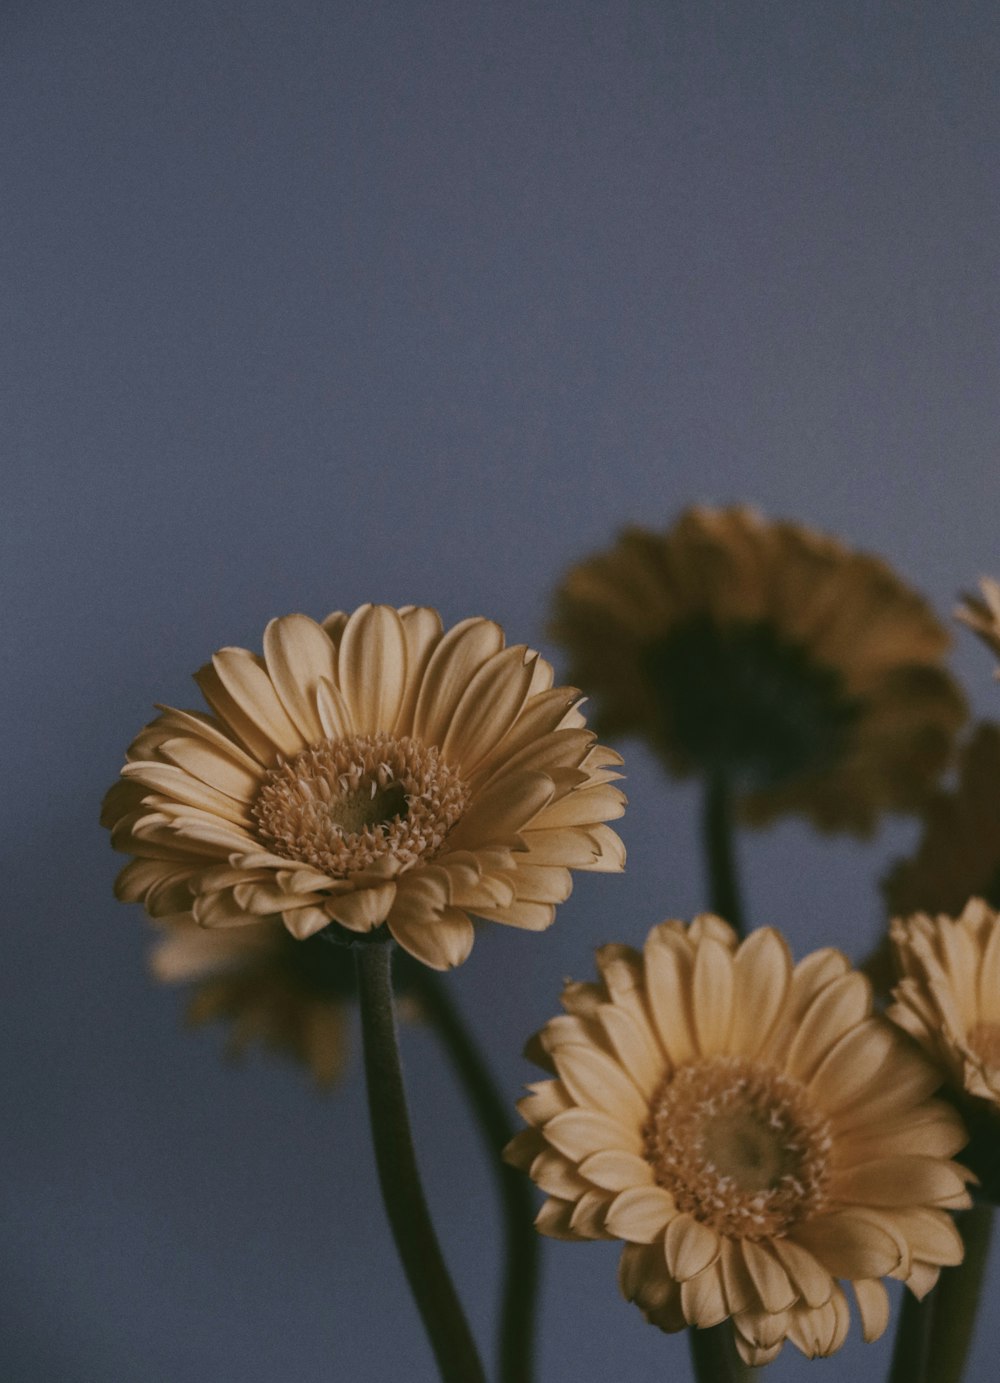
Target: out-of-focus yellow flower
751	1131
949	996
289	995
807	675
982	613
958	856
373	769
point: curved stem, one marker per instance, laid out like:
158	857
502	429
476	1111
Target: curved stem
720	853
399	1179
517	1313
956	1299
913	1331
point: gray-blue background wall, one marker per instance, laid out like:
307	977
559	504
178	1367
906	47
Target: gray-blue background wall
306	304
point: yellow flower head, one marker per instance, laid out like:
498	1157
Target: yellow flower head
289	995
807	675
949	996
750	1130
373	769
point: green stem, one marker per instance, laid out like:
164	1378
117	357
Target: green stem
714	1357
956	1299
913	1332
399	1179
720	853
517	1314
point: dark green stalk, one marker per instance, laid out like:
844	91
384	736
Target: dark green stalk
720	852
517	1314
913	1332
956	1299
714	1357
399	1179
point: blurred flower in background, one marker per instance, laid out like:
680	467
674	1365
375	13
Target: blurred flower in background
808	676
982	613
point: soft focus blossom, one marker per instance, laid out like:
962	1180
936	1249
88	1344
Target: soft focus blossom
373	769
751	1130
808	676
292	996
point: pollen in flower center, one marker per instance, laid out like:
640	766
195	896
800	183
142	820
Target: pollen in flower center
984	1039
344	803
738	1147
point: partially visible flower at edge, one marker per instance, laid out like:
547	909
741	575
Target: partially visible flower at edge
982	613
808	675
750	1130
371	770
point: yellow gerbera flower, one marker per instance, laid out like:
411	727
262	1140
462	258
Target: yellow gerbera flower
982	614
750	1130
289	995
373	769
949	996
807	675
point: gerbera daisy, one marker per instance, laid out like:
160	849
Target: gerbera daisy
807	676
751	1131
289	995
370	770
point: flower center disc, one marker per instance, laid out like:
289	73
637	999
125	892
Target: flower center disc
343	804
738	697
738	1147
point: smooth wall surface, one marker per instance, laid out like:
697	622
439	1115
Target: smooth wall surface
306	304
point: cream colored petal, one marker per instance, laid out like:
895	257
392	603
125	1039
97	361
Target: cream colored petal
702	1298
487	709
422	630
595	848
820	1332
848	1244
559	749
873	1307
763	1329
554	1175
640	1214
616	1170
690	1247
581	1132
753	1357
544	1100
455	661
218	768
364	909
303	923
523	1148
813	973
442	943
596	1082
769	1277
588	1218
933	1129
246	681
333	626
194	724
541	716
636	1048
553	1220
905	1079
838	1008
762	971
530	917
851	1066
262	899
498	814
541	884
901	1180
371	667
712	996
668	989
585	806
989	978
737	1284
299	655
178	786
922	1278
332	711
809	1278
642	1274
258	744
932	1234
220	910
